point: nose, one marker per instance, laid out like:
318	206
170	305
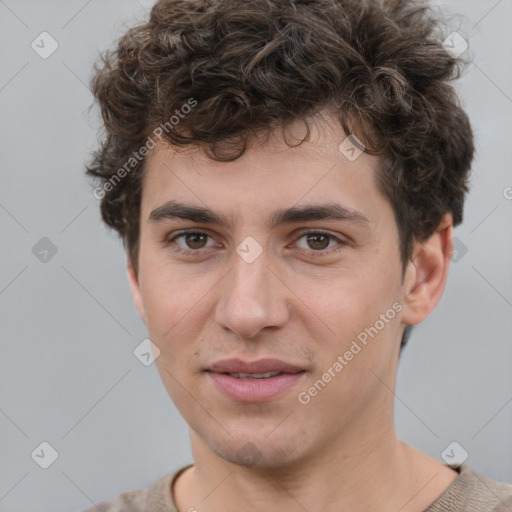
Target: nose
252	297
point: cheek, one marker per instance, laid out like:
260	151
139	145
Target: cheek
160	304
169	298
352	361
352	301
176	312
360	315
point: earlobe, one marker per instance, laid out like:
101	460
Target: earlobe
135	288
426	274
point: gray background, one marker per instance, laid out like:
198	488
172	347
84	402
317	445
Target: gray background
68	375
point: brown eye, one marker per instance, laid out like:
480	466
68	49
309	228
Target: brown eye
195	240
190	242
318	241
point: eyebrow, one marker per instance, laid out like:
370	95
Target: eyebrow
175	210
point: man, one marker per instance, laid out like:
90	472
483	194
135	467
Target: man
285	176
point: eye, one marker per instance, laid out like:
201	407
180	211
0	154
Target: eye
190	242
318	241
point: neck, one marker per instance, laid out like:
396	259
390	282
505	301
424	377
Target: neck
383	474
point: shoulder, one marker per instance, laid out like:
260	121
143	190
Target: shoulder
474	492
497	494
156	498
129	501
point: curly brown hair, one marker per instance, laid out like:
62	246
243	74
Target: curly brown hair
377	65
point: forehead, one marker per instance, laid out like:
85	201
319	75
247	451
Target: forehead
269	175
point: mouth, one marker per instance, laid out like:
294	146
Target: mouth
259	369
257	381
250	376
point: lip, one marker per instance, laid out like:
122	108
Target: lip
260	366
254	390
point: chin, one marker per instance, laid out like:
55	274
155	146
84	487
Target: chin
258	449
256	457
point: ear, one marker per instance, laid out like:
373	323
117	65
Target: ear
427	272
135	288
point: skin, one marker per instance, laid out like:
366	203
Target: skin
340	450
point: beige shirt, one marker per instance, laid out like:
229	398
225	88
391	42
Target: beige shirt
469	492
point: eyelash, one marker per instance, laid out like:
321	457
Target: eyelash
197	252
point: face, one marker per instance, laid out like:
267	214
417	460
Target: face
284	263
